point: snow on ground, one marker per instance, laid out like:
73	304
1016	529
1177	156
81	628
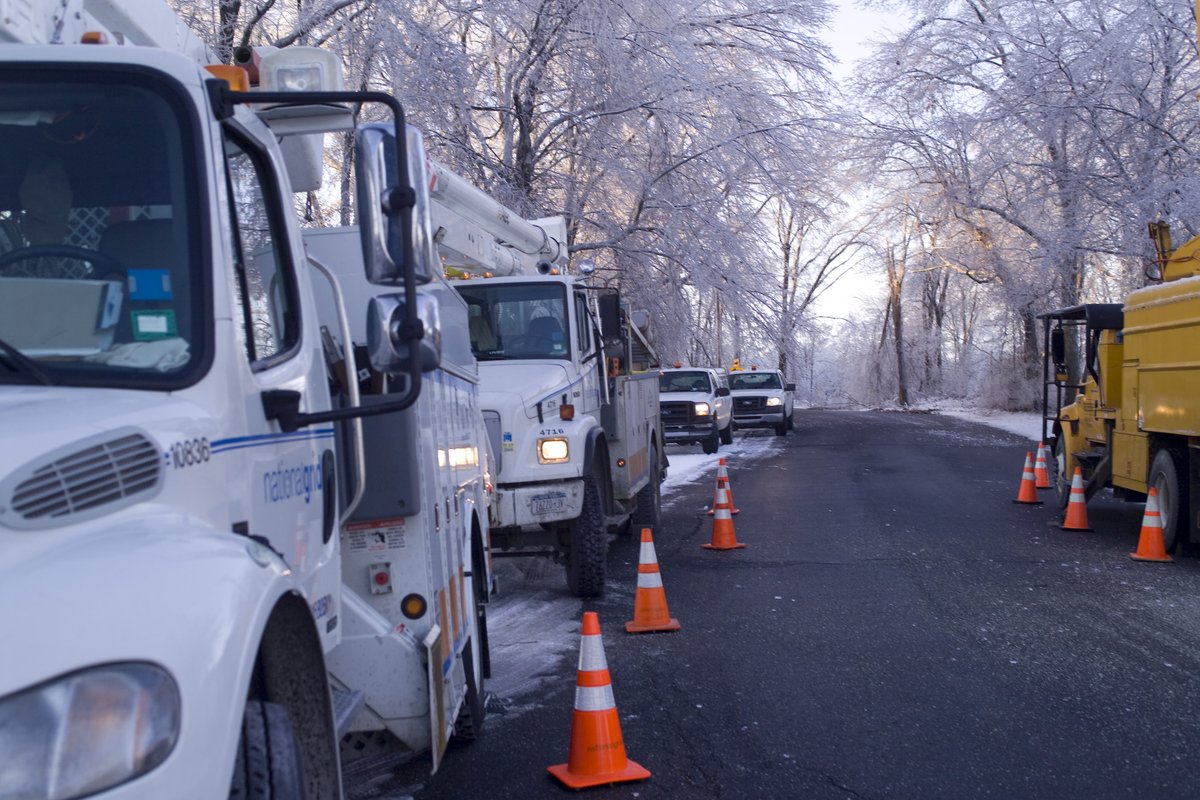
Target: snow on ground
1022	423
688	462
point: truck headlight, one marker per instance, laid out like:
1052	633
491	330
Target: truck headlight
553	451
87	732
774	401
701	409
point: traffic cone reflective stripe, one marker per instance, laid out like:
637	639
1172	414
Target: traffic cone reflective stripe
1040	473
1150	543
650	614
597	751
722	479
723	535
1076	519
1028	491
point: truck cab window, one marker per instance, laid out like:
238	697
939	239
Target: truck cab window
583	329
99	208
266	292
517	321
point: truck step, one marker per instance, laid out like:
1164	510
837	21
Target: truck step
345	705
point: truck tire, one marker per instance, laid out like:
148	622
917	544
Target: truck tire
781	429
791	421
1165	472
713	443
268	759
587	543
1059	475
468	726
727	434
649	499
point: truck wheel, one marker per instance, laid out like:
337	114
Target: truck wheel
468	726
649	499
1062	478
712	443
268	759
781	429
791	422
588	544
727	434
1172	496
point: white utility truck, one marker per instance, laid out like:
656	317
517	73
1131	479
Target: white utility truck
231	540
569	389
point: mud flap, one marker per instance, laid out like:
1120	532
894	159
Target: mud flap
437	650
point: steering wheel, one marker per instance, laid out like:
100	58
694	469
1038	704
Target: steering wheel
525	343
103	261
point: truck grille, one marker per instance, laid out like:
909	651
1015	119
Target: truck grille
749	405
677	413
86	481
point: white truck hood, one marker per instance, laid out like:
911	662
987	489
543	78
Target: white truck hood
686	397
505	384
37	420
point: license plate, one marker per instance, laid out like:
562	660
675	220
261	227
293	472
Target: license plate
548	503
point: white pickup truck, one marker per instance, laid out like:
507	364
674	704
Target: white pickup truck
762	399
696	407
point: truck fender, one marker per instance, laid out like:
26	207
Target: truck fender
221	613
594	444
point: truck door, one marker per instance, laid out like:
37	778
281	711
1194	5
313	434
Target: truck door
287	478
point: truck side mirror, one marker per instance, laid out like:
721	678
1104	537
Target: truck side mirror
1058	346
384	213
609	304
389	350
722	391
789	387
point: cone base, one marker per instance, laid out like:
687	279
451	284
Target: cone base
710	546
712	513
1028	502
1076	529
633	772
1160	560
670	625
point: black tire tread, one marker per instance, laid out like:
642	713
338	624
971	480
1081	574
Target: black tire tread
588	544
268	761
1178	533
649	500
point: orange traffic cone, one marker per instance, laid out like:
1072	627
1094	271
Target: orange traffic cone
723	477
1076	519
1040	473
1150	543
597	752
723	536
1028	491
650	614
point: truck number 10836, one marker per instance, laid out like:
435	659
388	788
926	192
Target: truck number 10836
189	452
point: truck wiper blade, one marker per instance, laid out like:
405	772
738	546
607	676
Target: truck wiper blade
18	362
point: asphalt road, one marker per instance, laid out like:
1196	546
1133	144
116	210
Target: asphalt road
895	628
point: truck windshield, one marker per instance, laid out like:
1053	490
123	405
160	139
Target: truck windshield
754	380
692	381
98	284
517	320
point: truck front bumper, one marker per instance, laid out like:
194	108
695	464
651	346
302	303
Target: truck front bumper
765	420
687	434
537	503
